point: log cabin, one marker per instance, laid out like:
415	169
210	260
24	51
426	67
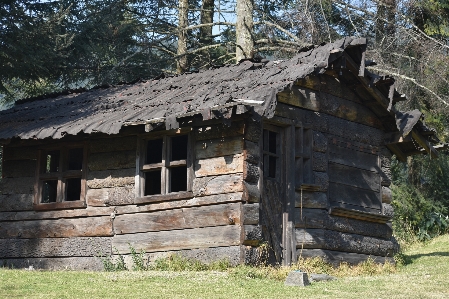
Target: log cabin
291	156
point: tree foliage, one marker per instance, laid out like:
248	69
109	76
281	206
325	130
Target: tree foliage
47	46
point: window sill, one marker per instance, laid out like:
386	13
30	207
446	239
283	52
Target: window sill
372	216
309	187
163	197
60	205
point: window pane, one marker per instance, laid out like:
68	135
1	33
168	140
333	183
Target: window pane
73	189
179	148
272	167
75	159
49	191
178	179
154	151
272	140
52	161
153	182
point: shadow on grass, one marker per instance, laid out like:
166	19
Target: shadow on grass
409	259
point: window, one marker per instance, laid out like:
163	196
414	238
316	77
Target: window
61	178
272	153
165	166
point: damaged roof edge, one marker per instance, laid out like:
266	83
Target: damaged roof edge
212	93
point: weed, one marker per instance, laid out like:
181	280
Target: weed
138	259
112	264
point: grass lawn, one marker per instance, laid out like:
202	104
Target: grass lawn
426	275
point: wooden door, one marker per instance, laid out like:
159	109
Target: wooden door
278	191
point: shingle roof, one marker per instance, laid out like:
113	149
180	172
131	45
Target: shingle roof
107	110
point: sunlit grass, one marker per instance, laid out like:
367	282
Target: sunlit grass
424	275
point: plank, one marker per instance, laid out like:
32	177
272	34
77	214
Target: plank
16	202
315	200
219	165
205	255
23	185
112	160
329	104
388	210
321	179
218	184
355	177
251	172
250	213
320	218
336	257
354	196
252	152
271	215
163	197
111	196
320	161
218	147
319	142
19	168
55	247
19	153
191	217
253	130
252	235
228	235
386	195
357	212
58	228
424	143
191	202
219	130
72	213
101	145
325	123
332	240
64	263
251	192
329	84
111	178
353	158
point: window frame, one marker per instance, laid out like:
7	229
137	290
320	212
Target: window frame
165	165
266	154
61	176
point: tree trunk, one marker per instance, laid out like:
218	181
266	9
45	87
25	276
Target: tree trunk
385	23
182	35
244	28
205	38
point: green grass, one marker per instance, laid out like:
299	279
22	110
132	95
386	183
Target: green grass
425	275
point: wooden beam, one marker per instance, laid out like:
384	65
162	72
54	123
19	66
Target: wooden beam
397	151
353	67
424	144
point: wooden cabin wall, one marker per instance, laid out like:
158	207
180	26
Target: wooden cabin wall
60	239
208	225
351	165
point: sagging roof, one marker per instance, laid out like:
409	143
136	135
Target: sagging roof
250	84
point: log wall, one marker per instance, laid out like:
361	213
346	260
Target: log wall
208	224
351	168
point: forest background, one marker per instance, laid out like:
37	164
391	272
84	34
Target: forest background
51	46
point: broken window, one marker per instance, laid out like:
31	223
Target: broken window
61	176
165	168
271	153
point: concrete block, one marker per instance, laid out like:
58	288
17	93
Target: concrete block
297	279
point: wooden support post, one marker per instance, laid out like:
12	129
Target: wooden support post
424	143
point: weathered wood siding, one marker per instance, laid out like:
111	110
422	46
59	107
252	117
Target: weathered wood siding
350	166
207	224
